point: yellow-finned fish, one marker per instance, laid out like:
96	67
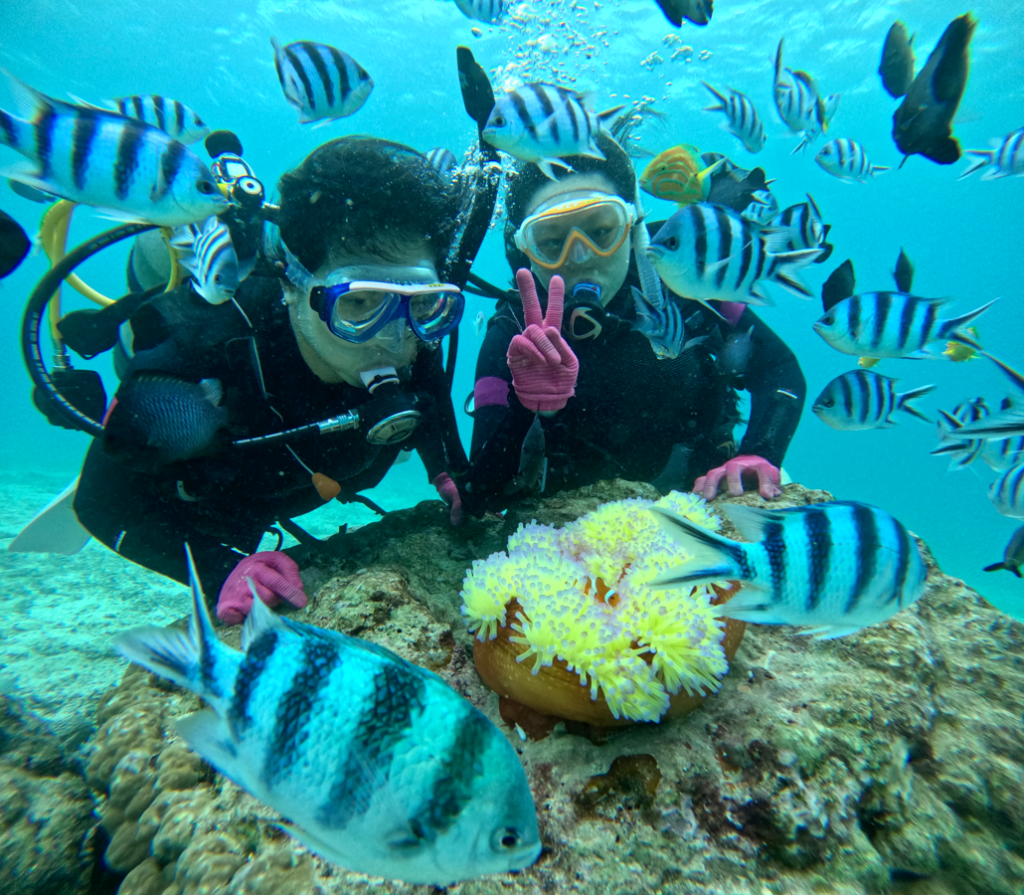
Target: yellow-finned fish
677	175
866	363
958	352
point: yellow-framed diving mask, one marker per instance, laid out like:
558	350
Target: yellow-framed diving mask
570	225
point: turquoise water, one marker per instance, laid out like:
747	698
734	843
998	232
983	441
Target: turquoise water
962	236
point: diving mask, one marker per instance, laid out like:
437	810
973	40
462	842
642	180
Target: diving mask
572	225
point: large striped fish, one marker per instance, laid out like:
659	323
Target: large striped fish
1007	492
863	399
103	159
708	252
742	119
487	11
837	567
209	255
172	117
378	765
893	324
542	123
1005	158
798	102
320	81
846	159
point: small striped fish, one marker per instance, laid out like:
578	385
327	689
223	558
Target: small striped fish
663	327
962	451
838	567
892	324
847	160
1006	158
1013	556
1002	453
488	11
379	765
543	124
442	160
803	226
209	256
762	208
173	118
100	158
678	175
320	81
1007	492
708	252
742	118
863	399
796	97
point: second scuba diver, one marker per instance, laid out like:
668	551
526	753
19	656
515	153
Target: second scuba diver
576	367
341	354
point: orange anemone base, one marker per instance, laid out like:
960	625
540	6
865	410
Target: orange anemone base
557	692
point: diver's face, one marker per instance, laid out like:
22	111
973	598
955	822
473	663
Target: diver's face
332	358
584	267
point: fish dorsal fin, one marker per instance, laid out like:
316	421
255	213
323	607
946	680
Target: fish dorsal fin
814	206
904	273
839	286
260	619
750	521
806	78
200	625
950	420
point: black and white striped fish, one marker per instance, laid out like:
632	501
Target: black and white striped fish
442	160
172	117
762	208
1002	453
542	123
209	255
100	158
805	227
742	119
663	326
893	324
797	99
320	81
1005	158
846	159
487	11
838	567
378	764
1007	492
863	399
961	450
708	252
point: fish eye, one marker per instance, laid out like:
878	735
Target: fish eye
829	402
672	243
205	187
499	122
218	279
505	838
828	321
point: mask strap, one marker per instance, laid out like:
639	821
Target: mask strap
296	272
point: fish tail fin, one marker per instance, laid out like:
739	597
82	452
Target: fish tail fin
995	567
712	556
903	401
951	328
1016	378
879	169
981	159
189	659
785	267
721	99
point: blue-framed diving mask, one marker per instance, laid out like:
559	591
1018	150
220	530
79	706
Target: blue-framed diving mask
357	303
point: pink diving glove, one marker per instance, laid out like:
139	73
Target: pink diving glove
544	367
745	465
449	493
275	577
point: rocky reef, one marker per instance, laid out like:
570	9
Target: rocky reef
890	761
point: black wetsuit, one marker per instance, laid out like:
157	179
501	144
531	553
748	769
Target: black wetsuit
223	503
632	412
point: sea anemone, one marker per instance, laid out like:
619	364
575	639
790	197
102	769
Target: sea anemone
567	624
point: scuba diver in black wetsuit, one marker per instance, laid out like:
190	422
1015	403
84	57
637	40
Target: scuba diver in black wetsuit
307	383
626	413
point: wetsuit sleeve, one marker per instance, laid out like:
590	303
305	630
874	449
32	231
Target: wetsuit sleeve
777	392
500	423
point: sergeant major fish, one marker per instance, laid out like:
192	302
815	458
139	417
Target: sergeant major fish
707	252
487	11
379	765
320	81
1006	158
543	124
863	399
837	567
892	324
962	451
1007	492
209	256
847	160
442	160
897	65
663	326
762	208
1013	556
106	160
805	227
799	105
172	117
742	119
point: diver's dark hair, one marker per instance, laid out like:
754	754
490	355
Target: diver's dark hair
525	178
366	196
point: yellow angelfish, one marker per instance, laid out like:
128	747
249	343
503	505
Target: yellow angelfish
676	175
957	351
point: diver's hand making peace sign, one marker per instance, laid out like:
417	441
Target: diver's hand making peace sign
544	367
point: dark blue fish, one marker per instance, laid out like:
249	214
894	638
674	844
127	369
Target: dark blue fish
14	244
734	356
1013	556
897	65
